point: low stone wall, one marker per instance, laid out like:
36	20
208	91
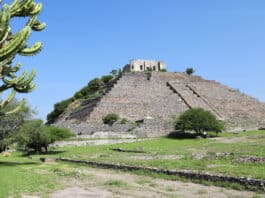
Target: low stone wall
247	182
90	128
149	128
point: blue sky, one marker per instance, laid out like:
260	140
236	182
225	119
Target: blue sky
223	40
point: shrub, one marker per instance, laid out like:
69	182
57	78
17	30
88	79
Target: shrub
110	118
82	93
199	120
149	69
59	108
124	121
57	133
114	72
33	135
190	71
106	78
78	95
163	70
95	84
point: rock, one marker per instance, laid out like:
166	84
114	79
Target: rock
47	160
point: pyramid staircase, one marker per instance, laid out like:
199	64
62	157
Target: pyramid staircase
191	97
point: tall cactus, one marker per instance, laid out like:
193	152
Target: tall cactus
16	44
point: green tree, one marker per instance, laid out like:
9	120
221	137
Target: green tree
16	44
190	71
95	84
36	136
199	120
59	108
106	78
114	72
10	123
163	70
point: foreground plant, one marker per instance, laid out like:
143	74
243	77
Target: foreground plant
16	44
199	120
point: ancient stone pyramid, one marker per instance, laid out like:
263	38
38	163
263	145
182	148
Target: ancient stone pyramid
154	100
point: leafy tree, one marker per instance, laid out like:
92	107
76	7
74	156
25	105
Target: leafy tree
163	70
16	44
114	72
149	69
190	71
199	120
57	134
59	108
34	135
120	72
106	78
11	122
95	84
110	119
82	93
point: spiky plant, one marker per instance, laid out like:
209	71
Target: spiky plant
16	44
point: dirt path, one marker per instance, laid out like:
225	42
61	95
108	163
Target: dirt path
110	183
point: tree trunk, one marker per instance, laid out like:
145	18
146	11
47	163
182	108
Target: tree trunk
46	149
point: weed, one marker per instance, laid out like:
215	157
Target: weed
116	183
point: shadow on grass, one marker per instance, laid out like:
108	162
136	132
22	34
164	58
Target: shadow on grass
17	163
32	153
189	135
181	135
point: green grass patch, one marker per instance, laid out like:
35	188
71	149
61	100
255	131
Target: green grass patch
116	183
158	152
27	175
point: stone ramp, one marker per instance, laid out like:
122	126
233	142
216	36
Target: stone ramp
240	110
191	98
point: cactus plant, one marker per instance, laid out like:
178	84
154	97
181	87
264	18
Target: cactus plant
12	44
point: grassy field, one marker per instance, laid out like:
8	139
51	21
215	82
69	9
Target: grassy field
27	174
19	174
191	154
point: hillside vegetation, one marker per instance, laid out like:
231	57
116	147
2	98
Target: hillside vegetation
94	89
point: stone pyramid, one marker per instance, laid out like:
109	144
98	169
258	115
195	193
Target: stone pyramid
153	100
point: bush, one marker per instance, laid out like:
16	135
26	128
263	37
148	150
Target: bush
107	78
124	121
199	120
33	135
95	84
82	93
57	134
110	118
59	108
190	71
114	72
163	70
